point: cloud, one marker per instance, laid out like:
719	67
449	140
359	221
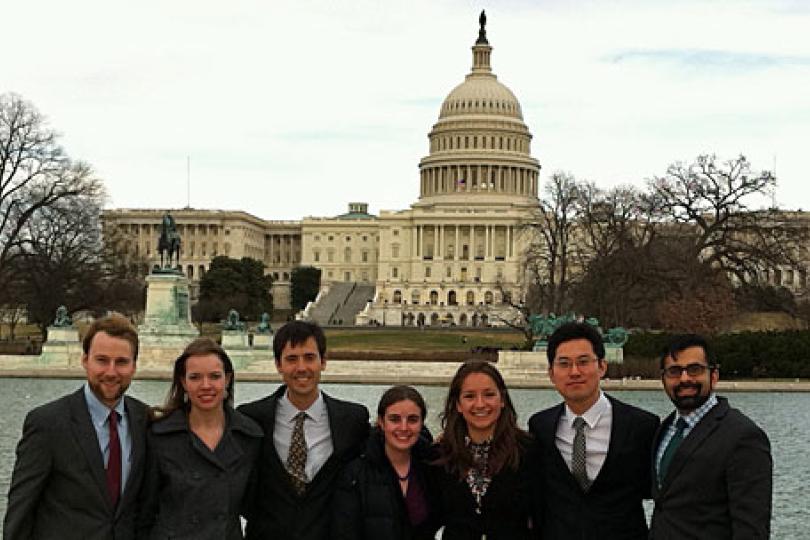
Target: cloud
709	59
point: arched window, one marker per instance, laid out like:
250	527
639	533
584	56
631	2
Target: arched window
451	298
488	297
397	296
416	297
434	298
470	298
190	271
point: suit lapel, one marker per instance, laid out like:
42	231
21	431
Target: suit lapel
337	426
86	436
549	434
619	431
136	417
659	434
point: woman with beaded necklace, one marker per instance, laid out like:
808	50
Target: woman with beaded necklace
481	473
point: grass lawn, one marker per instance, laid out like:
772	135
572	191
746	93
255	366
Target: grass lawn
418	340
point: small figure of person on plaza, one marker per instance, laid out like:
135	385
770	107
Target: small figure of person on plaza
201	453
481	472
384	493
712	465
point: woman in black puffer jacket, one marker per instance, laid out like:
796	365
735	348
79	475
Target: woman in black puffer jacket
383	494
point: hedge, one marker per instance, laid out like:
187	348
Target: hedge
744	355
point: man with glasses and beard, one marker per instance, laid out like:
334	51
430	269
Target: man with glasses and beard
711	464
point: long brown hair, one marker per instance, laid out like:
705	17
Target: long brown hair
176	398
507	438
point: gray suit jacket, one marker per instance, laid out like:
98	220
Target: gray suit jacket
58	487
719	483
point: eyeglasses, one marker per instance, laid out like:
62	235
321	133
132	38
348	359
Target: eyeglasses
693	370
583	362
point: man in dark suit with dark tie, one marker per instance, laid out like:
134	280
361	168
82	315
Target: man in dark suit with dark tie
592	451
80	459
309	437
712	465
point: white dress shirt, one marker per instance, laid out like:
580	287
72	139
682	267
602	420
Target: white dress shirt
316	432
598	420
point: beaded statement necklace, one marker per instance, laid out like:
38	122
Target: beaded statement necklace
478	477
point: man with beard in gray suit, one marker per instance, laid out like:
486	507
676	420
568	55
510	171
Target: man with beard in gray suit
712	465
80	459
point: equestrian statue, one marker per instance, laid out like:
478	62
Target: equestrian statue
169	243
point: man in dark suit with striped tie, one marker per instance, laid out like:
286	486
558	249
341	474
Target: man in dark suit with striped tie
712	465
80	459
592	451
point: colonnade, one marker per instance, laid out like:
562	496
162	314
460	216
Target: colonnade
474	178
446	242
283	248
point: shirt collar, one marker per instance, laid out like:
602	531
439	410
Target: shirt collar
592	415
99	411
697	415
316	412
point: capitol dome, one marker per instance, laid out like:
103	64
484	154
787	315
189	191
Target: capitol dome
481	93
480	148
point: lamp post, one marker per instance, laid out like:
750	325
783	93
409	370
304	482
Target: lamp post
385	305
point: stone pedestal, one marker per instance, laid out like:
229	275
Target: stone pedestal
263	341
234	339
62	347
614	354
167	326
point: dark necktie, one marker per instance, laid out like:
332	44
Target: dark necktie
297	458
114	460
578	464
669	452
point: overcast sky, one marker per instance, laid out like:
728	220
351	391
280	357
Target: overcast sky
294	108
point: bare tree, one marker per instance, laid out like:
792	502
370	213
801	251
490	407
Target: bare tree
551	253
35	173
713	201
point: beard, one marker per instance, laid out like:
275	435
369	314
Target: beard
689	403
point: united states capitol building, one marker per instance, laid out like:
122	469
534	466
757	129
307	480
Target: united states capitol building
452	258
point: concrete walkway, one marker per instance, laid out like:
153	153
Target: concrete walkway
379	372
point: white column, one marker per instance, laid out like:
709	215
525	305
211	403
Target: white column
456	248
472	242
487	237
435	241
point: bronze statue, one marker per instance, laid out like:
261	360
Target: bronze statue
482	33
169	242
62	319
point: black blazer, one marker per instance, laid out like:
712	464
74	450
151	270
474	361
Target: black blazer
276	512
719	482
191	492
59	488
368	502
612	508
505	507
